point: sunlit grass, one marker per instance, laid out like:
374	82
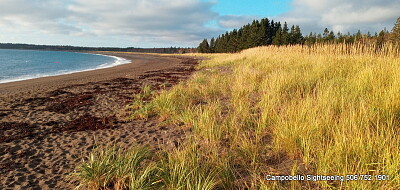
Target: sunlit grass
114	168
323	110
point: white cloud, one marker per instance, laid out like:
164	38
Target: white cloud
151	23
343	15
178	20
235	21
141	22
31	16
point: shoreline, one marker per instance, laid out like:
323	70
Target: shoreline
48	125
118	61
121	70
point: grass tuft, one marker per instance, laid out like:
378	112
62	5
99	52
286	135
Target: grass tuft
115	168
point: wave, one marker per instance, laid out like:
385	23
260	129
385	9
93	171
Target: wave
118	61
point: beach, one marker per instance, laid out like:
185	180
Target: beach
49	125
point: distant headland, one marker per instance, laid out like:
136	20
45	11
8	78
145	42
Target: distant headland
80	48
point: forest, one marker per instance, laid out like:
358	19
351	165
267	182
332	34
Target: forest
266	32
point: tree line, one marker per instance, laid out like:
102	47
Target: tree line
170	50
266	32
258	33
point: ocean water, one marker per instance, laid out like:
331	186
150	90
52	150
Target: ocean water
16	65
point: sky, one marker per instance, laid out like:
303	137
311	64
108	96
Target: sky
180	23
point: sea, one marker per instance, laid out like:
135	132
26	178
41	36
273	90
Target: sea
17	65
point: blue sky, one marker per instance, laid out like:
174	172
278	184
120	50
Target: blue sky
260	8
184	23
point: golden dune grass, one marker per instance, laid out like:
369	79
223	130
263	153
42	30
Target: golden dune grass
321	110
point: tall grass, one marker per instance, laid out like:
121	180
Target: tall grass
114	168
321	110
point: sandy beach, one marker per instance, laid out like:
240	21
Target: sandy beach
48	125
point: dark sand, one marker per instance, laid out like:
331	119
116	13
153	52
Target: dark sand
48	125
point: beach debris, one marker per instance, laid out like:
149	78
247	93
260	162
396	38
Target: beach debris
89	122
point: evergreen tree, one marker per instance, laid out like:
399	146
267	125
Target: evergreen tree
204	47
233	41
217	44
212	45
273	30
319	39
395	36
325	35
224	43
278	37
310	39
340	37
271	33
357	36
246	36
285	34
349	38
237	40
277	26
255	34
297	36
240	39
331	37
292	37
381	39
265	32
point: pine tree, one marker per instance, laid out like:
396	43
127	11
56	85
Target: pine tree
277	26
224	43
331	37
297	36
319	38
310	39
381	39
255	38
340	37
395	36
203	47
265	32
233	41
325	35
212	45
292	35
285	34
240	39
246	34
357	36
349	38
272	32
278	37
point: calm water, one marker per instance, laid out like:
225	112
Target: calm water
18	65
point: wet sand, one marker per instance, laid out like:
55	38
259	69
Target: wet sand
48	125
